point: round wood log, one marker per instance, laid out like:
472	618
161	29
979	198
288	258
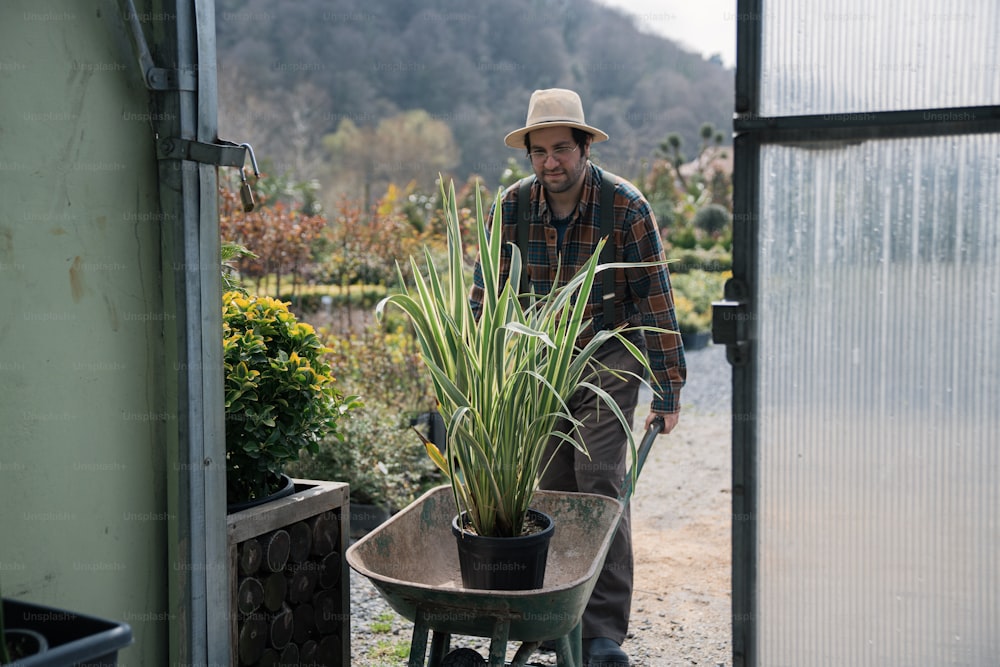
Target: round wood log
251	556
276	547
327	612
275	590
325	533
290	656
280	631
302	584
305	623
330	569
252	640
269	658
249	595
301	541
307	652
328	651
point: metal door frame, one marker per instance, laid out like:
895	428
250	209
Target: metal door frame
177	64
735	318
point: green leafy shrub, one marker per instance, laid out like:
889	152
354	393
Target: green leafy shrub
713	259
376	452
279	391
712	219
378	456
694	293
383	364
309	299
689	318
707	242
683	237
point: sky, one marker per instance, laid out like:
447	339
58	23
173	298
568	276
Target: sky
706	27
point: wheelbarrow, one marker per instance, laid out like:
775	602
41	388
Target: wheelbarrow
413	563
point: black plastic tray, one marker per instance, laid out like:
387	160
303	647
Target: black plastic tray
74	639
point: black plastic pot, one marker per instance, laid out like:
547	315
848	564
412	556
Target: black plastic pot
504	563
696	340
287	489
365	518
23	643
74	640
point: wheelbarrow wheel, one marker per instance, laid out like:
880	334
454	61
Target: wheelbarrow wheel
463	657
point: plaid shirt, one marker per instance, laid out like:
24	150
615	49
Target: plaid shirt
642	294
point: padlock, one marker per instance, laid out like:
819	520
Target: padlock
246	192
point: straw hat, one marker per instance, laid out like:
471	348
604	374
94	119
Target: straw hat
553	107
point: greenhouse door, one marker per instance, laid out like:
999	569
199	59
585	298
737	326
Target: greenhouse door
863	326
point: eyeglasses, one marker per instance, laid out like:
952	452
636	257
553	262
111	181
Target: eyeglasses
560	153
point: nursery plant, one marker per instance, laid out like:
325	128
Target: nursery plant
280	395
502	381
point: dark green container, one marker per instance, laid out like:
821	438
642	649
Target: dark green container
74	640
504	563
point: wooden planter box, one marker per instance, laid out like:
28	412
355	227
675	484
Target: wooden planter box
290	584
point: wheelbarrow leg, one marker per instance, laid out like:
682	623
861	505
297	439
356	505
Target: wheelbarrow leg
524	652
440	642
569	648
418	645
498	643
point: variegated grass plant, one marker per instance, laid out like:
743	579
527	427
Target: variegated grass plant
502	382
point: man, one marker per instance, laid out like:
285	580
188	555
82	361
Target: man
564	228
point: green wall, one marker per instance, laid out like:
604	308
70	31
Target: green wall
83	522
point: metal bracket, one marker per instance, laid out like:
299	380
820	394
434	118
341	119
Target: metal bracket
156	78
223	154
731	322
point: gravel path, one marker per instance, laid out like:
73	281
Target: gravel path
709	384
681	604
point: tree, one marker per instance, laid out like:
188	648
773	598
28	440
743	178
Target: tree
662	194
708	136
513	172
288	77
670	149
711	141
407	147
365	245
282	237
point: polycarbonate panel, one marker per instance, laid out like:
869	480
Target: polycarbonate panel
879	404
853	56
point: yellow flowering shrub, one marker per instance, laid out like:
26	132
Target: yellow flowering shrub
280	392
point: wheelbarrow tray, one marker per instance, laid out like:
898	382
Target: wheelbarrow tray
412	560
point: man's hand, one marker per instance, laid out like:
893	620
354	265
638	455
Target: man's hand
669	420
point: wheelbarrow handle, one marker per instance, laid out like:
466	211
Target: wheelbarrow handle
642	451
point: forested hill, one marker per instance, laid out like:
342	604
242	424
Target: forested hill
290	72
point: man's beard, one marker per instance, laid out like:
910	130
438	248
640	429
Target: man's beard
566	176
